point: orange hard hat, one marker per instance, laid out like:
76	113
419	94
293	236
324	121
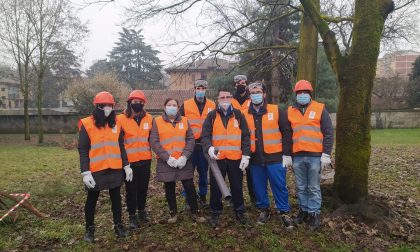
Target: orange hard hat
303	85
103	98
137	94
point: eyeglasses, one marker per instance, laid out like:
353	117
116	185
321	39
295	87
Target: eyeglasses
224	97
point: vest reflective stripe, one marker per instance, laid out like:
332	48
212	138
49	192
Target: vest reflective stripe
307	135
227	140
270	130
136	137
242	107
172	138
103	144
105	150
193	115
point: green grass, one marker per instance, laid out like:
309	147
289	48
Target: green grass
396	136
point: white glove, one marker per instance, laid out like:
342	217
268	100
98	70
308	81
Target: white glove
287	161
181	162
325	161
212	154
171	162
128	173
244	162
88	179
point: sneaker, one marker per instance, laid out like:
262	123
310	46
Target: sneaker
197	218
173	218
240	217
133	222
143	216
214	220
301	217
263	217
287	221
313	221
120	230
90	234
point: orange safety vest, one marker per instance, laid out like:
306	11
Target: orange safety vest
242	107
172	138
104	150
227	140
136	137
270	130
193	114
307	135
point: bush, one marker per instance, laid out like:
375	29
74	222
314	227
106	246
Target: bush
82	91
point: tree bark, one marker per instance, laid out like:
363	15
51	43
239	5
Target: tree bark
39	106
308	47
355	74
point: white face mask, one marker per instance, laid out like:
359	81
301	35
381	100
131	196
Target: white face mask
225	105
107	111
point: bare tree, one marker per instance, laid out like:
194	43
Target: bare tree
53	21
17	35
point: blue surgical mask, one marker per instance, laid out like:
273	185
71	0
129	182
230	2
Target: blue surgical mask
171	110
303	99
256	98
200	94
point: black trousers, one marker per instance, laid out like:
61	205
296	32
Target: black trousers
235	176
92	198
189	190
136	190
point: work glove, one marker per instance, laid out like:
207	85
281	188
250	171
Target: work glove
88	179
128	173
171	162
212	153
181	162
244	162
325	161
287	161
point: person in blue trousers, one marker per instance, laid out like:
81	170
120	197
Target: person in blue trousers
271	141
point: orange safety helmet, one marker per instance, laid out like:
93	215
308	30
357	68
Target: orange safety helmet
103	98
303	85
137	94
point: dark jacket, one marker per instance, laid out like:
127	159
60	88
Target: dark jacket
207	131
164	172
259	156
326	129
105	179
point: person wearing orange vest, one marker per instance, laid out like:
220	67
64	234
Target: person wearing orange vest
136	124
173	142
102	160
271	142
196	110
242	102
225	137
313	139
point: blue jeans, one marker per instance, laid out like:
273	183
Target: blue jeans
276	174
199	162
308	176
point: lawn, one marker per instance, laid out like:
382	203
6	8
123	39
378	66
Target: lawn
51	174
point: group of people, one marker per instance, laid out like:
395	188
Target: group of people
241	132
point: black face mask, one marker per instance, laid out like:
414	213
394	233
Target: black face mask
240	89
137	107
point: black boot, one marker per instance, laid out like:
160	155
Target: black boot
240	217
264	216
313	221
90	234
120	230
301	217
143	216
203	202
287	221
133	222
214	220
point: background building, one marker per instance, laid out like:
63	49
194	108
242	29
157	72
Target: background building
10	95
397	63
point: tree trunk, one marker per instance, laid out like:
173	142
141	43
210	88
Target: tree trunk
39	106
354	111
308	48
26	102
